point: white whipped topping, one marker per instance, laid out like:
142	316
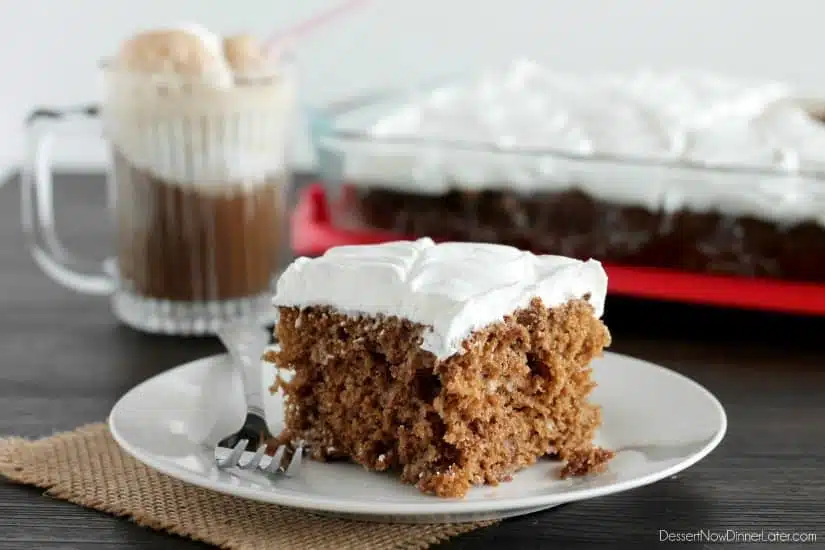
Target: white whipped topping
453	288
221	74
681	118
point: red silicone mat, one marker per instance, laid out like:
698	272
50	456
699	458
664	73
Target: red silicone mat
313	233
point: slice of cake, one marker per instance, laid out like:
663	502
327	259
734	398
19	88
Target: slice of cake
455	364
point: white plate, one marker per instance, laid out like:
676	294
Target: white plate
658	422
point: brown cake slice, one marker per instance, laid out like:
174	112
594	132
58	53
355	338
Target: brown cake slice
454	364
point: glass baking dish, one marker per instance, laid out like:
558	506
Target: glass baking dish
680	215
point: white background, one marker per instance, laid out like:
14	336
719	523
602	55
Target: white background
50	48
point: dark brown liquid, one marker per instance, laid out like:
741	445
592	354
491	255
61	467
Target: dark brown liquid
184	243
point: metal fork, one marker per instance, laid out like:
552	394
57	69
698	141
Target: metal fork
246	344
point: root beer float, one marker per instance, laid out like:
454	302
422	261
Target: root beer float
197	126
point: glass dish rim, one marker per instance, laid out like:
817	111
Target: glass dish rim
324	133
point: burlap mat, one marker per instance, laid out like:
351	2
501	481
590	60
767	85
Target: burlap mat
87	467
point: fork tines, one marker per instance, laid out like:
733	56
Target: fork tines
285	454
285	461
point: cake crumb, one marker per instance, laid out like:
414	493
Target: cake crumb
586	461
381	462
476	418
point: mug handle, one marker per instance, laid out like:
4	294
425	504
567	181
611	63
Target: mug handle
37	205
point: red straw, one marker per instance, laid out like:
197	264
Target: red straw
292	34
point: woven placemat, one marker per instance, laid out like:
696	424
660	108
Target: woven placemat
86	467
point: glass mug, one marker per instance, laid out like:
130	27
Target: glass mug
198	196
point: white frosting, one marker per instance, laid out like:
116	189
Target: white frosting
534	130
453	288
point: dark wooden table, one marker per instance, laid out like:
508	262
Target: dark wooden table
65	361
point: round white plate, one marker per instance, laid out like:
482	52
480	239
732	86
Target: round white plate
658	422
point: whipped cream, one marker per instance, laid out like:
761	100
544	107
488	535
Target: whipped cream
452	288
220	74
532	129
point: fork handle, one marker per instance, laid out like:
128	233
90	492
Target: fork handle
252	379
247	344
254	404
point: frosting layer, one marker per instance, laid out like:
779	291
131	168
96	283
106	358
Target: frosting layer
453	288
535	130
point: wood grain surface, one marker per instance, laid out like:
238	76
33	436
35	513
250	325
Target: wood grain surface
65	361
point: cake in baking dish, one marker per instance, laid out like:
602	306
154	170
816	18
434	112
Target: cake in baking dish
682	170
454	364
